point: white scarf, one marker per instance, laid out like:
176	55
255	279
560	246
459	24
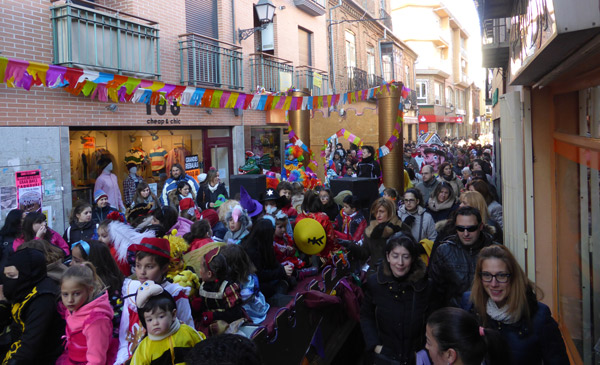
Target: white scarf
174	328
499	314
213	188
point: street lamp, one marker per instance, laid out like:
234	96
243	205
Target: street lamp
451	110
265	10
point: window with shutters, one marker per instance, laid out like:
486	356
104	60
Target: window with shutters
305	47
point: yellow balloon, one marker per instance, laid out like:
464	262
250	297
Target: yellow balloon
309	236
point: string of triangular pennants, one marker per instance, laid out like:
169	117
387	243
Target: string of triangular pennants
118	88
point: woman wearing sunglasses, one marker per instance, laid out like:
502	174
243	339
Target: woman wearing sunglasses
505	300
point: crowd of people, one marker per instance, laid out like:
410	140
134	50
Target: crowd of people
439	286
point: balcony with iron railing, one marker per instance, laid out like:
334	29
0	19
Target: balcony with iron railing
387	19
496	37
313	79
357	79
99	38
374	80
210	62
273	73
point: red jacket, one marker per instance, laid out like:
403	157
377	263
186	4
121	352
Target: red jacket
199	242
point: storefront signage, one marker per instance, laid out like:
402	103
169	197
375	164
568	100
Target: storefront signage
192	166
162	110
439	119
29	190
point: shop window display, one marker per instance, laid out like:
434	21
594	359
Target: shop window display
265	141
137	155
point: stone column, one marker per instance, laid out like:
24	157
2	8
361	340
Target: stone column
392	165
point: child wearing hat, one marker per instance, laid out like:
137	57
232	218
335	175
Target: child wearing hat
219	298
238	223
102	207
152	257
167	337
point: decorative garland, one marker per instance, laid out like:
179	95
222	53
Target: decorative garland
119	88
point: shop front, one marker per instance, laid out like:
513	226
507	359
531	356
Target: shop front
152	151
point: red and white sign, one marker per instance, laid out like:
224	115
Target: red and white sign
439	119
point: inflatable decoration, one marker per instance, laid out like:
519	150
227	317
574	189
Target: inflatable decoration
309	236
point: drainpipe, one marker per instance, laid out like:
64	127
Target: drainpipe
233	31
331	59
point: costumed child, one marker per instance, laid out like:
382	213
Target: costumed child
99	255
118	236
189	210
283	243
350	224
89	317
200	234
219	297
243	272
152	258
274	203
168	340
284	189
238	222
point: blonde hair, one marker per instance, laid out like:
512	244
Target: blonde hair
474	199
85	274
387	204
518	284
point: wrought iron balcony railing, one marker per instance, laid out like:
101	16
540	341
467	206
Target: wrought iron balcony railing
374	80
357	79
101	38
311	78
209	62
273	73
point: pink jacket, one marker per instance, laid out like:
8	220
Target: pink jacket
56	240
89	333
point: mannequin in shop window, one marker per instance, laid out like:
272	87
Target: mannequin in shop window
177	174
131	183
211	190
107	181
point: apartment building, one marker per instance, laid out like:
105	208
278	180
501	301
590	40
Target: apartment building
219	45
443	84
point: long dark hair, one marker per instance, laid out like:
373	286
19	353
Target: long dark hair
261	239
240	264
406	240
31	219
105	264
454	328
311	202
79	207
167	216
12	223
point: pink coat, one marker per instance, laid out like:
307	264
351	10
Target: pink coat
89	333
56	240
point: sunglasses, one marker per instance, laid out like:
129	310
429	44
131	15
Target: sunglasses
467	228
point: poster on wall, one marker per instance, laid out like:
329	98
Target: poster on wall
29	190
8	197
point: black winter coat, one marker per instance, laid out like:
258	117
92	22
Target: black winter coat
76	232
368	167
452	267
205	196
38	326
269	276
394	313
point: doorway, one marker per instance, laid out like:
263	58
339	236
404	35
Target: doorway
217	152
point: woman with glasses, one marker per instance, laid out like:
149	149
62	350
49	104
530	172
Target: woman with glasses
505	300
414	215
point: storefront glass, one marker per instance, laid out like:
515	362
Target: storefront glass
578	230
154	152
265	141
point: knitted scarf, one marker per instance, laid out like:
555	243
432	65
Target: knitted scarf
436	206
212	188
499	314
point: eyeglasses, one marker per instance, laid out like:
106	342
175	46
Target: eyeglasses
467	228
500	277
410	200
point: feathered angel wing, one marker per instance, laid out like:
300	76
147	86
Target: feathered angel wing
123	236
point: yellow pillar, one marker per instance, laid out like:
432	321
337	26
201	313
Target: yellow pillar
392	165
300	119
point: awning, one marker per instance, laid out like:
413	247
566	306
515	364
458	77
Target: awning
439	119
